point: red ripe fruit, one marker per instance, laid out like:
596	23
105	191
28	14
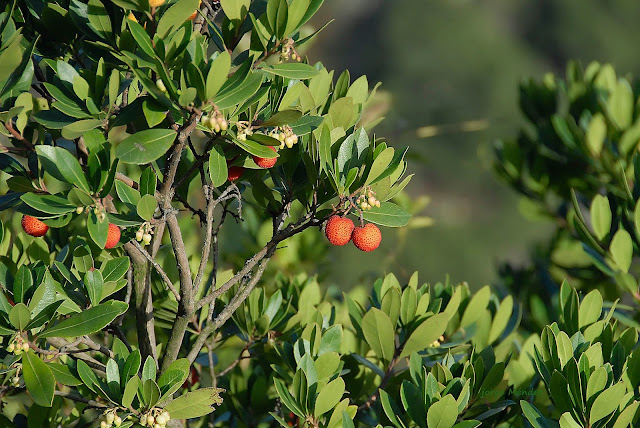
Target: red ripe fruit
33	226
113	236
367	238
265	163
235	172
338	230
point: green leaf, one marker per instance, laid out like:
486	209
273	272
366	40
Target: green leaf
148	182
380	165
87	322
596	133
174	377
533	415
150	392
79	128
277	14
145	146
149	369
425	334
130	391
296	71
232	95
147	206
38	379
141	37
153	112
329	397
94	283
256	149
235	9
379	333
19	316
63	374
49	204
600	216
22	283
620	105
98	230
501	319
127	194
285	117
443	413
175	16
391	409
389	215
62	165
99	19
607	402
476	307
218	170
621	250
590	308
218	74
194	404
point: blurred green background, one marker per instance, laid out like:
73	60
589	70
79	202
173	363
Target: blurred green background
444	63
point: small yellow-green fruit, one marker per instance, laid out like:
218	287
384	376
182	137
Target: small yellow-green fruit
160	85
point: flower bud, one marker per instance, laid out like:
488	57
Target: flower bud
289	142
224	125
103	424
161	420
377	203
372	200
146	238
15	380
166	415
25	346
11	347
79	210
151	420
109	417
117	421
139	235
216	127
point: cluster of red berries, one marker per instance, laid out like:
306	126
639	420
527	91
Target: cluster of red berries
341	230
35	227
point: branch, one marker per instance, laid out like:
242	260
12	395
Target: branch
60	343
80	399
158	268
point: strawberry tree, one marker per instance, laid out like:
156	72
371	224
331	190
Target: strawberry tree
129	126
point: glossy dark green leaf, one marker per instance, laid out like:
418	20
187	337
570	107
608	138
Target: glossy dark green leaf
194	404
175	16
94	283
145	146
87	322
218	171
38	379
22	283
19	316
62	165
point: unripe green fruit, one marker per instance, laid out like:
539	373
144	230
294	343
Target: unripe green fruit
160	85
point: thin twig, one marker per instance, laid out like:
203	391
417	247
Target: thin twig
158	268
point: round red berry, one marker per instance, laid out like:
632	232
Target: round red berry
367	238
